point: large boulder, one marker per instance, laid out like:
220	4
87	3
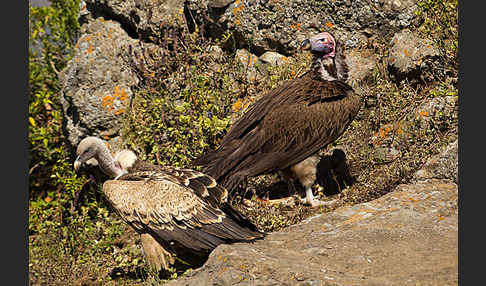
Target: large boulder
98	81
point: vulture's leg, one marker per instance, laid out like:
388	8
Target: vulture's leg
306	172
157	257
310	200
288	176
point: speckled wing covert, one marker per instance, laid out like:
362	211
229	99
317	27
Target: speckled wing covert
181	208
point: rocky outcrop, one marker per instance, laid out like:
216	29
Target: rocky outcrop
410	56
281	25
407	237
97	83
427	118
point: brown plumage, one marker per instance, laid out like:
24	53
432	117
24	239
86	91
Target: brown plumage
186	212
284	129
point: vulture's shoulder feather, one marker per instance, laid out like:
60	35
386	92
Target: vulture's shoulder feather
185	180
304	89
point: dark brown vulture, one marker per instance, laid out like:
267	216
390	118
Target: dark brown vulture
180	210
285	128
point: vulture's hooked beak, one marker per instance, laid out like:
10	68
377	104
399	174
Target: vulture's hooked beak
77	164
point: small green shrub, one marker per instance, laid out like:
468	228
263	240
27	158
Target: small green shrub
52	33
441	25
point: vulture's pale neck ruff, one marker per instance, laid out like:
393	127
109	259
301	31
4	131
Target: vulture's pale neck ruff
326	68
93	147
126	158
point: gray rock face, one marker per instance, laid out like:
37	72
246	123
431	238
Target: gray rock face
442	166
97	86
142	19
282	25
410	56
97	82
407	237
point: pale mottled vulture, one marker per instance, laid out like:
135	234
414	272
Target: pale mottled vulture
180	210
285	128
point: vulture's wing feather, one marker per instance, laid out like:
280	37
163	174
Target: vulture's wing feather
203	185
177	205
283	128
303	89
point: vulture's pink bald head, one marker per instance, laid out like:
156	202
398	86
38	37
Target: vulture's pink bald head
322	44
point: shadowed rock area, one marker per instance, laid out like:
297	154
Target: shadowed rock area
407	237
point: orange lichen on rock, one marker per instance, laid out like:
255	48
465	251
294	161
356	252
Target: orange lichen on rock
121	93
406	53
119	111
108	101
237	105
236	12
296	26
384	131
424	113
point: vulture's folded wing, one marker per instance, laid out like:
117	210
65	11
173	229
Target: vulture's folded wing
167	206
283	128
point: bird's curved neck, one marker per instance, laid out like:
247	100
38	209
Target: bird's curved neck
325	69
107	163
